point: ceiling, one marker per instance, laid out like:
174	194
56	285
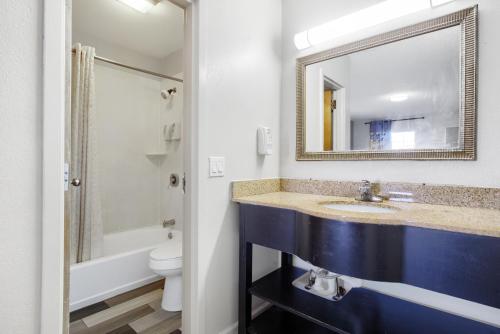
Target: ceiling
156	33
425	68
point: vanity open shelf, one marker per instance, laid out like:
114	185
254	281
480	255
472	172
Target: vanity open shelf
360	311
276	320
277	289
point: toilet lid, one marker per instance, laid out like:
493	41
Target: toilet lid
169	250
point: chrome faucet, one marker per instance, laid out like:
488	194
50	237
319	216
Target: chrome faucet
366	194
314	275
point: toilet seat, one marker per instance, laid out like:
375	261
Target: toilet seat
166	261
169	264
166	257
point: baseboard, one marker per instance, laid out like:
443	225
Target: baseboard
233	329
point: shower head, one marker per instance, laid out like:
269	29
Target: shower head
168	92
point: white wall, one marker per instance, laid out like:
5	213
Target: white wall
20	165
118	53
299	15
240	75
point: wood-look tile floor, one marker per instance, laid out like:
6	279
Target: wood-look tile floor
134	312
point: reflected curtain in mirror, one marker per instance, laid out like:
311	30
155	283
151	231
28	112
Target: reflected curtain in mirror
380	135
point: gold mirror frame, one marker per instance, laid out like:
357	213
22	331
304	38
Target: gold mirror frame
467	20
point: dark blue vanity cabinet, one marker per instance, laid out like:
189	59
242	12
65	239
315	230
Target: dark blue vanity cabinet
462	265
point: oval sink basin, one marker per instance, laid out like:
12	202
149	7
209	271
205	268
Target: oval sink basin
364	208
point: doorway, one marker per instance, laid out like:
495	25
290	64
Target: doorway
336	120
57	261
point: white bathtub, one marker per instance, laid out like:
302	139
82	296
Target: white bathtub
123	266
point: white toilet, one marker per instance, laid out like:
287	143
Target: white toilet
166	261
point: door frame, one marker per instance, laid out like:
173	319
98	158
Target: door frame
55	261
340	118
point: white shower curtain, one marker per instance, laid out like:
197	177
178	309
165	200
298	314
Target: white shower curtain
85	209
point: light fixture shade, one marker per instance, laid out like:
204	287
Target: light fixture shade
365	18
142	6
436	3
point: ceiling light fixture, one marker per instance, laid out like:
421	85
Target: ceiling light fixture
398	97
365	18
142	6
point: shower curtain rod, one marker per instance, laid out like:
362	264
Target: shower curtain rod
110	61
398	120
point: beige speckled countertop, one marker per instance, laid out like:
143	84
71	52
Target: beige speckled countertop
442	217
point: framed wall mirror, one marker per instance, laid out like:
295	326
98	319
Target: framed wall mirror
408	94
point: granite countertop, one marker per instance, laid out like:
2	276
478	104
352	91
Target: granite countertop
479	221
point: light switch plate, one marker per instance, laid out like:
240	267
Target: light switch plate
217	166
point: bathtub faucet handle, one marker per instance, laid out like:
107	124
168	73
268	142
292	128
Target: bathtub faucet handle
168	222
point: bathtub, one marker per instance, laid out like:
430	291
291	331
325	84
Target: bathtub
123	266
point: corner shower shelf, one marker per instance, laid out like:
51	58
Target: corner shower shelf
156	154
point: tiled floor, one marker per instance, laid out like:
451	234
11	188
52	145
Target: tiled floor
136	311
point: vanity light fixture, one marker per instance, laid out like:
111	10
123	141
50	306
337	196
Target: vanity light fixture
142	6
365	18
398	97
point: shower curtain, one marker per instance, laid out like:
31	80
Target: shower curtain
85	210
380	135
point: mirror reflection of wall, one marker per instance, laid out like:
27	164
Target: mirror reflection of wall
402	95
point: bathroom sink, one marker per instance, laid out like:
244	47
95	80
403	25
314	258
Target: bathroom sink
358	207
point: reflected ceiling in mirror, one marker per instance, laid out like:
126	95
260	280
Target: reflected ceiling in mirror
406	94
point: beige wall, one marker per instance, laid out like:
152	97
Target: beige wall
134	187
117	52
173	63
